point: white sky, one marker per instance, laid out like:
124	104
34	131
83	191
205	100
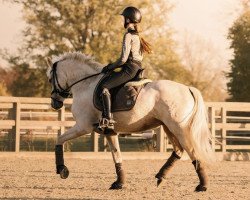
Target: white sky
209	19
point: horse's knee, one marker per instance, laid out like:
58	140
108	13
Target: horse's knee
74	132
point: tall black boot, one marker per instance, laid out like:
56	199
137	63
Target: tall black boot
107	121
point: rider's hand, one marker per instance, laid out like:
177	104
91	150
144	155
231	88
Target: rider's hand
106	68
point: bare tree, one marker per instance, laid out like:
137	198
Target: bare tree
204	62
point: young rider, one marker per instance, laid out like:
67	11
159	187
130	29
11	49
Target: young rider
130	62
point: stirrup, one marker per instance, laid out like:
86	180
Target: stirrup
105	123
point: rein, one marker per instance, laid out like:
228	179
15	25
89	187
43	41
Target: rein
65	92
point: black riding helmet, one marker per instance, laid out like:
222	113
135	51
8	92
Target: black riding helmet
131	15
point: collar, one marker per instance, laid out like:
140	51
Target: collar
132	31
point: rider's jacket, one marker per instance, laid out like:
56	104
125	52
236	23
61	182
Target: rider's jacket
131	49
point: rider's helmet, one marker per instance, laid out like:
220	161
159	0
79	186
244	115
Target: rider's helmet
131	15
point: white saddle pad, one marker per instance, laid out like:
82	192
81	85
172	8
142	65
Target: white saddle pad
138	83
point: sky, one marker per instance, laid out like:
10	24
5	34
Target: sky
208	19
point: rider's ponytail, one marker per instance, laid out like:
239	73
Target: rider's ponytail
145	46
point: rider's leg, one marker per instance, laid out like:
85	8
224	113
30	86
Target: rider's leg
115	79
107	120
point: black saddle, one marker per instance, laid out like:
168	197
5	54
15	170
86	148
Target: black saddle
123	98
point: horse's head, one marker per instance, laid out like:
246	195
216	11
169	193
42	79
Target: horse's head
58	93
66	71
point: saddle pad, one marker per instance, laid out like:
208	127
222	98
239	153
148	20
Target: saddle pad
123	97
138	83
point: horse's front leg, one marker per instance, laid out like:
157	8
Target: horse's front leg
116	153
72	133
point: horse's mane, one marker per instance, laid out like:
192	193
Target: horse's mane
78	56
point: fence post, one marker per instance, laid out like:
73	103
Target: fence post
17	114
224	132
160	140
213	126
94	138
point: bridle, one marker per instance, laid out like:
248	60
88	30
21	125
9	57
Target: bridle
64	93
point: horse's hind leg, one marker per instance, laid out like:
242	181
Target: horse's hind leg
116	153
175	156
198	165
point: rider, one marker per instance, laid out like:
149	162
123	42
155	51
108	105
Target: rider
133	48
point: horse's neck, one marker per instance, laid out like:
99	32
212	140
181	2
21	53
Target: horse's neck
85	89
78	73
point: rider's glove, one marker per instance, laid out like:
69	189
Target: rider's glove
106	68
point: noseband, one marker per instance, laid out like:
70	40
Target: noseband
65	93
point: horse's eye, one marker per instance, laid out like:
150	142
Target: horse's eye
50	80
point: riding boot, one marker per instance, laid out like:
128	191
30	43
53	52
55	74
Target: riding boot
107	121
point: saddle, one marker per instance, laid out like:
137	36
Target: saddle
124	97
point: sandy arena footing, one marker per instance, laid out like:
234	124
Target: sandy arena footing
32	176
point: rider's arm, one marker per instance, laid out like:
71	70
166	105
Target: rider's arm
126	47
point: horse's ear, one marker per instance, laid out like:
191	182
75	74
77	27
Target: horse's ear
49	62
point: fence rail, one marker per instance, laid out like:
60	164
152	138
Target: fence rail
229	122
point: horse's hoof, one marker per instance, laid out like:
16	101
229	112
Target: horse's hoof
159	181
159	178
64	172
200	188
116	186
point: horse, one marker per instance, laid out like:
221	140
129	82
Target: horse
180	109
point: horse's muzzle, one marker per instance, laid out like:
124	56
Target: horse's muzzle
56	104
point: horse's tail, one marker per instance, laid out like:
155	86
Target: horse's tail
202	138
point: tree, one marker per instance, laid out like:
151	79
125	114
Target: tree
21	80
6	80
92	27
202	60
164	63
239	76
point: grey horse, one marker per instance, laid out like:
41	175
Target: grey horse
178	108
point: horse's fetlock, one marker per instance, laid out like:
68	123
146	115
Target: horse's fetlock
59	168
160	175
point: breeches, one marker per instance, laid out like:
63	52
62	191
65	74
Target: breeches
118	78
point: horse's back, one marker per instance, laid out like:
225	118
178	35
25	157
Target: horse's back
170	98
158	102
169	90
